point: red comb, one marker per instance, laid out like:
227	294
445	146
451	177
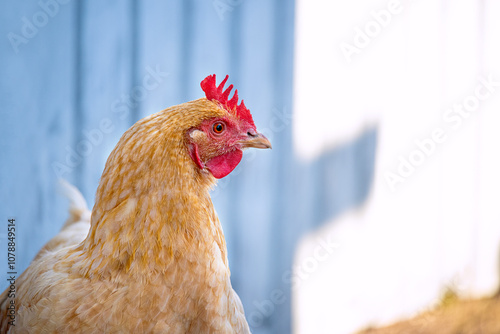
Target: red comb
212	92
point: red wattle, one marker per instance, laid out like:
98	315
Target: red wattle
193	153
224	164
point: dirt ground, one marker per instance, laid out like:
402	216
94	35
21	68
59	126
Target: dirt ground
451	317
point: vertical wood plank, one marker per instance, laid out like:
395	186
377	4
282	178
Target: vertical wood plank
37	90
108	100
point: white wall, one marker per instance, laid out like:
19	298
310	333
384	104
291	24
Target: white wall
440	227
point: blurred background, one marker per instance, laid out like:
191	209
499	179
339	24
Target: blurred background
380	194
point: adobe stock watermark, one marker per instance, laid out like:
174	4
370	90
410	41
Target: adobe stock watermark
371	30
121	107
31	26
300	272
223	6
453	118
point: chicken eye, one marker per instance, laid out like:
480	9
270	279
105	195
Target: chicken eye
218	127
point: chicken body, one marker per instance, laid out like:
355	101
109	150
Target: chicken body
154	258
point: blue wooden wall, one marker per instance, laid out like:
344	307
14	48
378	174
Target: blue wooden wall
72	70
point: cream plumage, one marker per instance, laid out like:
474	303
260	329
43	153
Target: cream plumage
153	259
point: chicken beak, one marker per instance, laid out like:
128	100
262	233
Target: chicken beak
257	140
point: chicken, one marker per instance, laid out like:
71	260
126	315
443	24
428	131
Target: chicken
153	259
